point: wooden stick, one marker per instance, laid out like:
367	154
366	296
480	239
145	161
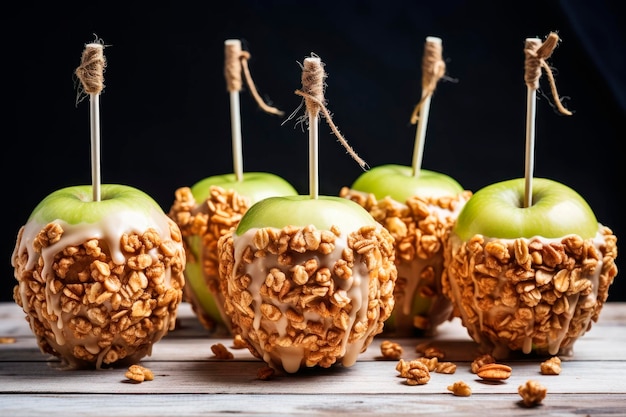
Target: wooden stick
232	71
91	74
433	68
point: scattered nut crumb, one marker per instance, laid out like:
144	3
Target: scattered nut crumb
445	368
265	373
433	352
239	343
551	366
139	373
391	350
532	393
431	363
6	340
221	352
482	360
415	372
460	389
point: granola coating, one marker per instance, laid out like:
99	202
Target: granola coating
419	227
303	297
529	295
86	307
205	222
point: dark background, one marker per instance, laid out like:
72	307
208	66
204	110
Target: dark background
165	109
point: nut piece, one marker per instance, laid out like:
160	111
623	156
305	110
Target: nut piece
415	372
391	350
551	366
460	389
494	372
221	352
482	360
445	368
265	373
139	373
532	393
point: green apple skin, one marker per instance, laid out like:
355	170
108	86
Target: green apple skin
498	211
254	185
399	183
302	210
75	204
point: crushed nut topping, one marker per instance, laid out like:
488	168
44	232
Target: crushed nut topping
460	389
529	294
139	373
551	366
418	227
306	283
532	393
206	220
88	309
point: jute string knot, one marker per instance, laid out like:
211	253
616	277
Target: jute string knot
236	62
90	72
536	54
433	69
313	85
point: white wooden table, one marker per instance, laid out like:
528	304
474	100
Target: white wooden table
190	381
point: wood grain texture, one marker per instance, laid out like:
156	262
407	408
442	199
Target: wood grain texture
189	380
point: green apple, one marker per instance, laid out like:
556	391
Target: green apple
254	186
75	205
399	183
301	210
497	211
73	253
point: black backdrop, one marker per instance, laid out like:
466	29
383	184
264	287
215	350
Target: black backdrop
165	110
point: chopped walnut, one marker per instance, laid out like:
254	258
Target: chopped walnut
139	373
480	361
221	352
460	389
445	368
265	373
391	350
532	393
551	366
415	372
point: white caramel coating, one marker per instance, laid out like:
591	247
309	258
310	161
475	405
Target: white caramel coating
418	226
100	293
301	297
529	295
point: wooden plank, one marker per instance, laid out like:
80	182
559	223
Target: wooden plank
232	377
206	405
